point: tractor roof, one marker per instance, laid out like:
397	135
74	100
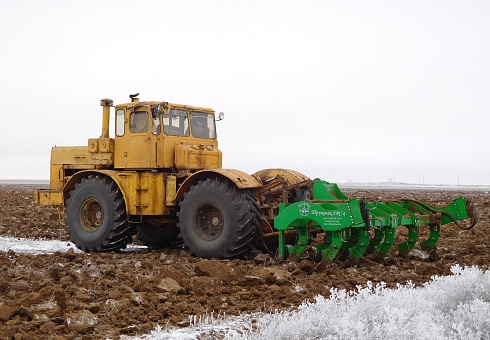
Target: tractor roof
153	103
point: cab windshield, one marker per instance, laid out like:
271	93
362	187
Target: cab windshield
202	125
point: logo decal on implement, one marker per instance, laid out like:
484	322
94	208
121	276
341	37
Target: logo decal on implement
304	209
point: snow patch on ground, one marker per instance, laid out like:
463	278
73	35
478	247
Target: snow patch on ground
29	246
23	245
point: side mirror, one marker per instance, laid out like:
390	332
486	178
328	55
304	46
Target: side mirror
221	116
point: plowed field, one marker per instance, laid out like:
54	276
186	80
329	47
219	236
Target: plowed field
104	295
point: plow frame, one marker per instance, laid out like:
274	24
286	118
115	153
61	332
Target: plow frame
355	227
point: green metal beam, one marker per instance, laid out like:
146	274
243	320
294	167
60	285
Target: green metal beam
341	218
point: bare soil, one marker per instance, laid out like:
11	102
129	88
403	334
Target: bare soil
105	295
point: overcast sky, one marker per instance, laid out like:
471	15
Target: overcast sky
342	90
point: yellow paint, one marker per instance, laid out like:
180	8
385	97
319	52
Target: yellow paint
197	157
171	190
153	169
48	197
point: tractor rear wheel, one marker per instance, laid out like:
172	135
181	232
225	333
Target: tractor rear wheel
158	236
96	215
218	220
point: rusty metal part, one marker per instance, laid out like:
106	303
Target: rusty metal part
281	185
268	238
278	186
291	176
209	222
91	215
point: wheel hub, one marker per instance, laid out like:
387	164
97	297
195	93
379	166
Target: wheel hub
91	215
209	222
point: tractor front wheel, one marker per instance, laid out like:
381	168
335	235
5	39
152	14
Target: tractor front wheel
218	220
96	215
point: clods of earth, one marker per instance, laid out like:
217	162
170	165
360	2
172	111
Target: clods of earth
75	295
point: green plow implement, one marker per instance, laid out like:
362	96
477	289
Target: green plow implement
356	227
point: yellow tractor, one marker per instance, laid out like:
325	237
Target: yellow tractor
160	177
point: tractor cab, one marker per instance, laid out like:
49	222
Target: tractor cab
161	135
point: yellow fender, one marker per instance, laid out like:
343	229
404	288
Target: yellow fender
77	177
241	179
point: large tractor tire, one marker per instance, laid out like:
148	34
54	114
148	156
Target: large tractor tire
96	215
218	220
158	236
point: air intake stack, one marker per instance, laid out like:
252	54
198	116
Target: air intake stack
106	104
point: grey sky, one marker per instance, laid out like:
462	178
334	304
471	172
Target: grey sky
341	90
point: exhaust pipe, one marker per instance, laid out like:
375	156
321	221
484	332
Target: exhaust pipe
134	98
106	104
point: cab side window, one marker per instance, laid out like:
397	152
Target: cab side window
138	122
120	123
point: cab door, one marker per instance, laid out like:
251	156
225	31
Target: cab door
133	139
139	140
